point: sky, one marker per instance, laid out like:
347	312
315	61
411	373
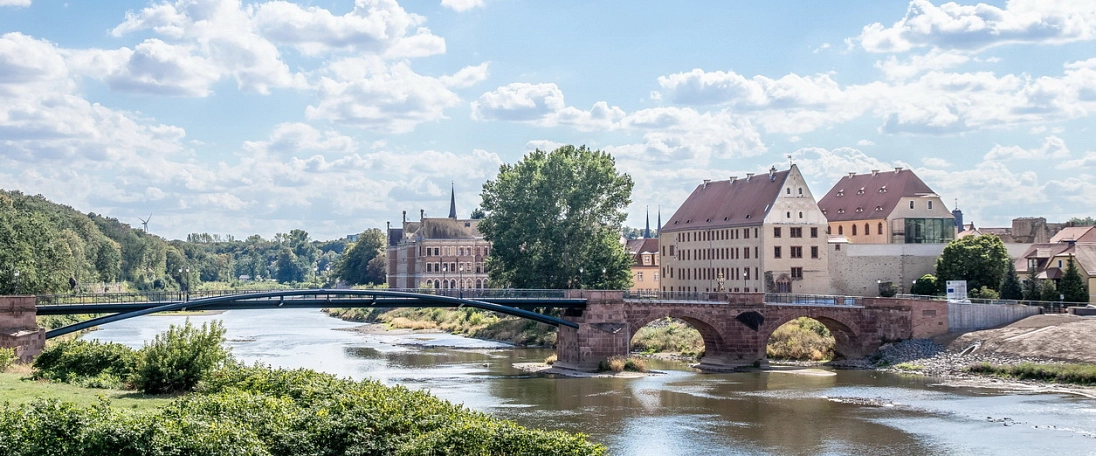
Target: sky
259	117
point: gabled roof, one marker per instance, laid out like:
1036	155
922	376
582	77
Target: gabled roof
642	245
728	203
871	196
447	228
1040	252
1076	233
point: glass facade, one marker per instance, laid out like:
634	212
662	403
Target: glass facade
929	230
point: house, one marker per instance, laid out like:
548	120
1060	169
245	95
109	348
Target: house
763	233
645	267
1048	261
887	208
440	253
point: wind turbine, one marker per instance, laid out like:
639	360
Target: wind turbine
144	222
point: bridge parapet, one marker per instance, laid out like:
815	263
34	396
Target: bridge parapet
18	328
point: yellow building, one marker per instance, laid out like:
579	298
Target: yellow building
890	207
763	233
645	267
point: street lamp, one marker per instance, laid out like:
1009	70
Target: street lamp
444	282
460	272
580	278
604	286
15	286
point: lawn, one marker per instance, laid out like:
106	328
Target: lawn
16	390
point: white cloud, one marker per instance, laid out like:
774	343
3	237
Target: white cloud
294	139
865	142
370	94
519	101
14	2
1053	148
980	26
153	67
462	5
466	77
685	137
1087	161
935	59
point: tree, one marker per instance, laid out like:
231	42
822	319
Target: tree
554	221
1048	291
926	285
980	260
1010	288
360	264
1031	286
1072	286
1087	221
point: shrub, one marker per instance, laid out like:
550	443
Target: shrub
801	339
619	364
551	359
7	358
77	361
179	358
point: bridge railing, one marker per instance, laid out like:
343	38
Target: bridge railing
1049	306
811	300
670	296
137	296
488	293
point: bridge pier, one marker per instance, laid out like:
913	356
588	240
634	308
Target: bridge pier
603	332
19	329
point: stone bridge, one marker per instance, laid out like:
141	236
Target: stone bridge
736	327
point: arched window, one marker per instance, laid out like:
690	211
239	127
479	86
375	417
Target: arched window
854	230
879	228
800	190
867	229
911	204
841	230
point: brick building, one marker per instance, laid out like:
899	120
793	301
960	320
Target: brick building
440	253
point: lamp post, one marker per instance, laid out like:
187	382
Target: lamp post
15	285
444	282
580	278
604	286
460	276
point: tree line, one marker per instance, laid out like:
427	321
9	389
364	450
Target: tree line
47	247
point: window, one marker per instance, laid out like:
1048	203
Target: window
879	229
776	252
656	277
930	205
797	273
814	231
840	231
776	231
789	190
854	230
797	252
800	190
747	253
795	232
671	250
639	276
911	204
788	214
836	247
745	233
800	214
814	251
867	230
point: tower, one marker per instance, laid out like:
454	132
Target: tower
452	201
647	229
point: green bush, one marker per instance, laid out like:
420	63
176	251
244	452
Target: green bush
76	361
7	358
179	358
801	339
1078	374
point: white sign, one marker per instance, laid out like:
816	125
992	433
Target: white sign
957	291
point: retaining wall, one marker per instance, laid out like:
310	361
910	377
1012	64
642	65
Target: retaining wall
18	328
972	317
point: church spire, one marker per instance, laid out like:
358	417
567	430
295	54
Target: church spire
659	227
647	230
453	201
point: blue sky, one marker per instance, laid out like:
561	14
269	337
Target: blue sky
241	118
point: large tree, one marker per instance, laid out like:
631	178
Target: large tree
1011	288
980	260
364	261
1072	285
554	221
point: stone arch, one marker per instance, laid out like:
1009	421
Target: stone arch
848	342
715	344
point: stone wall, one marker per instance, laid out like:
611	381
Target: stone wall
972	317
18	328
857	269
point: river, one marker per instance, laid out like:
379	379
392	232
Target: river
677	412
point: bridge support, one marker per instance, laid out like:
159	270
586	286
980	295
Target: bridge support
18	328
603	332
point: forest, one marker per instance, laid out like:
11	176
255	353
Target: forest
47	247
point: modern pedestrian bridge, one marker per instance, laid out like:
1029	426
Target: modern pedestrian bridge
594	325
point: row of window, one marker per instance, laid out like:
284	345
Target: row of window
730	274
794	251
867	229
454	251
795	231
715	235
716	253
454	268
639	276
453	283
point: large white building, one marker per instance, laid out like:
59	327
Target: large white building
440	253
761	233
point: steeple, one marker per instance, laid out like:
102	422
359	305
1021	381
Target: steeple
659	227
647	230
453	201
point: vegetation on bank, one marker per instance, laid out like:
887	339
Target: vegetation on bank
467	321
619	364
802	339
1075	374
7	358
670	336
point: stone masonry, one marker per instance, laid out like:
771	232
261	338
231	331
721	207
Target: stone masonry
18	328
737	329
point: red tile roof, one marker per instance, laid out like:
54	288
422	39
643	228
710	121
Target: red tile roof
724	204
637	247
870	196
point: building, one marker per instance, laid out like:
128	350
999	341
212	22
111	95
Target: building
1024	230
440	253
1048	261
763	233
887	208
645	261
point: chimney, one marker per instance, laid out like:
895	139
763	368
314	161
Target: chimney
706	182
852	174
875	172
748	176
404	217
898	169
733	178
422	214
772	171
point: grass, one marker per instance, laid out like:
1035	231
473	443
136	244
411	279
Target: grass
467	321
15	389
669	336
1074	374
619	364
909	367
802	339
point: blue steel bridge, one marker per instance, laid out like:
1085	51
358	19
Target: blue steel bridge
120	306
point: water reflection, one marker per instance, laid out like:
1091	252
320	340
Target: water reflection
678	412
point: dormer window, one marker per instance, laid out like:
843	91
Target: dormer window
861	191
883	189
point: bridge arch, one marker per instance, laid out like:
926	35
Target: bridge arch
846	334
715	345
358	301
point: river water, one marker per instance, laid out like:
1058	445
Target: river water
677	412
